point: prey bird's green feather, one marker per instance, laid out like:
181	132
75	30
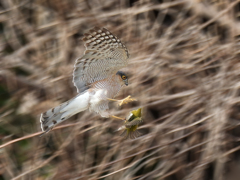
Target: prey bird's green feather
131	124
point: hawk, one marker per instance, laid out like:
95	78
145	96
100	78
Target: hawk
96	76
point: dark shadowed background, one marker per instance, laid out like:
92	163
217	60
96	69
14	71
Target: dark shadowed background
184	70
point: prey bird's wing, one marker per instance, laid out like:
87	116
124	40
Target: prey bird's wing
105	54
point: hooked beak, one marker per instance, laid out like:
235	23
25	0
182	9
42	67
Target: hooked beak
126	83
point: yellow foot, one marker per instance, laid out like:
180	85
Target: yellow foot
117	117
126	100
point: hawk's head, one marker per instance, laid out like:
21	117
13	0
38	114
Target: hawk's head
123	77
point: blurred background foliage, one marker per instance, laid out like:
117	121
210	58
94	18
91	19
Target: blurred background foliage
184	70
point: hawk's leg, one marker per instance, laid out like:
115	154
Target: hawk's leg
117	117
123	101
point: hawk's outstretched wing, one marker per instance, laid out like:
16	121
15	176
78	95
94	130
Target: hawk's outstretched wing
105	54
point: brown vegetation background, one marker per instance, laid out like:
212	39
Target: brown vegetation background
184	70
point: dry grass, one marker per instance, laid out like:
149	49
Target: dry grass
185	73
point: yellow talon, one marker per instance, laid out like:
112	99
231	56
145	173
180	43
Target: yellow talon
117	117
126	100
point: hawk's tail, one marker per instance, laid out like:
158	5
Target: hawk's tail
58	114
52	117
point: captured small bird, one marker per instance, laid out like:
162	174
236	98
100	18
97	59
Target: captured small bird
130	127
97	78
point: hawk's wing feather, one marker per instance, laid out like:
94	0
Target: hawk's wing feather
105	54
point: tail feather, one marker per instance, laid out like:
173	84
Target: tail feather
52	117
58	114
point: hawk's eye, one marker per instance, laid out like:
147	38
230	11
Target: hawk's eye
124	77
